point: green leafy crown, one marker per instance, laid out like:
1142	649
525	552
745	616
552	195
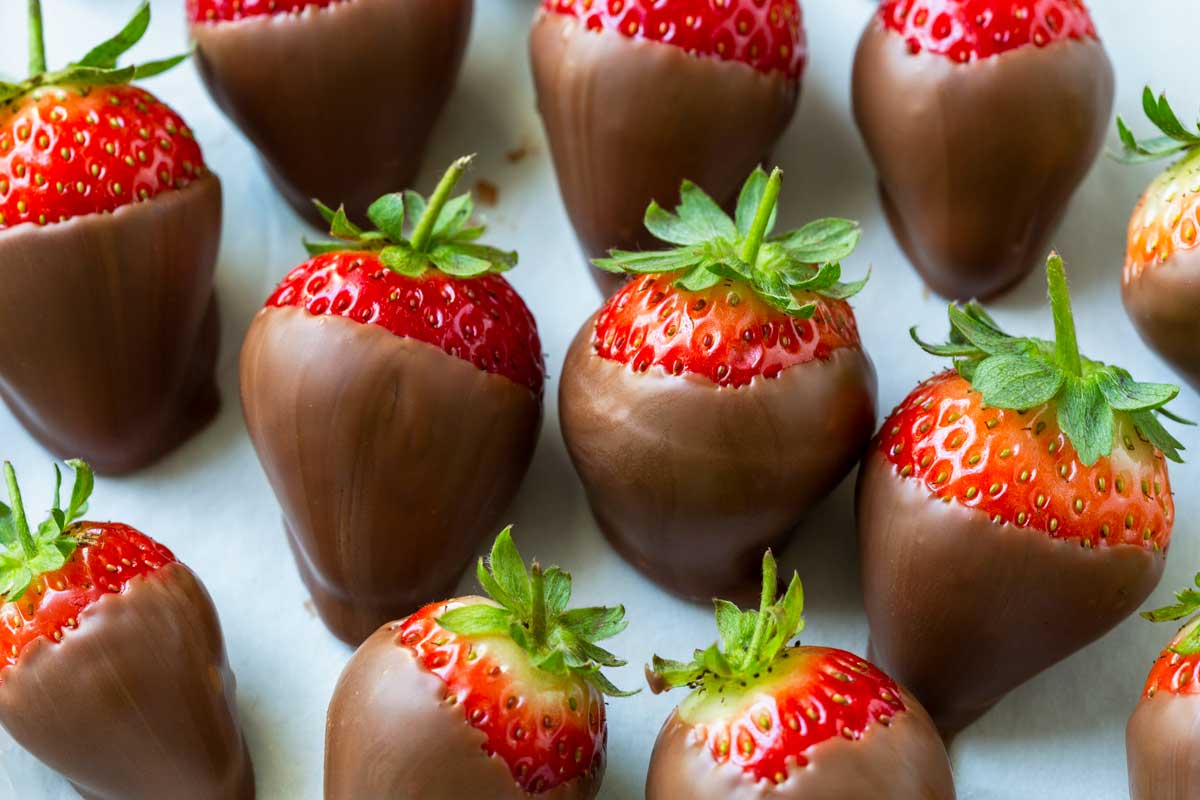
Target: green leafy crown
1022	372
1186	605
97	68
750	640
533	613
24	553
1175	138
711	247
439	237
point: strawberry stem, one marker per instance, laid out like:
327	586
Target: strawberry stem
20	522
537	623
424	230
762	216
770	580
1066	345
37	40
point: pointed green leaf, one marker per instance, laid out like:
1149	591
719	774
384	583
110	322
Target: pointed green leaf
414	206
387	214
595	624
667	227
646	263
8	530
822	240
85	482
341	226
451	260
1125	394
105	55
983	335
558	590
701	213
1016	382
401	259
1086	419
92	76
606	687
320	248
481	619
729	624
509	571
698	279
747	207
453	216
1147	422
498	260
325	211
150	69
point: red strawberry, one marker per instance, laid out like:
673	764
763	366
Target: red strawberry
638	95
506	693
1162	742
1161	285
392	386
106	209
75	596
340	98
982	117
1021	504
720	394
806	722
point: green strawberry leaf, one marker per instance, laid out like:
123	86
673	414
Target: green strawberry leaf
1176	138
476	620
105	55
27	554
387	215
1187	604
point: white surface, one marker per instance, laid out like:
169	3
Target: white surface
1061	735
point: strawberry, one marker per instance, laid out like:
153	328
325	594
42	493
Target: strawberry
982	118
1161	279
674	89
392	386
75	594
802	721
506	691
106	209
724	389
1022	501
386	71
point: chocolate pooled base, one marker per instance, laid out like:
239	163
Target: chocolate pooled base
1162	745
1164	304
340	101
109	341
977	162
391	460
689	481
137	702
962	610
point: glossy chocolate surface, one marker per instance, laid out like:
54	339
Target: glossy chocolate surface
391	460
1164	303
962	611
689	481
977	162
1162	745
137	703
109	341
340	101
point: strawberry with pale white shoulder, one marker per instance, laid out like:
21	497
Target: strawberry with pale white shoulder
1021	500
506	691
769	718
77	594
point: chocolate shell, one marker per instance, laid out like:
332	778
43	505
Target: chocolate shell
689	481
108	349
137	702
340	101
1162	744
628	120
1163	302
391	460
977	162
962	610
391	733
902	761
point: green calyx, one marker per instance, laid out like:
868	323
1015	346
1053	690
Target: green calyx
711	247
533	613
750	640
1176	139
1020	373
1186	605
97	68
26	553
413	234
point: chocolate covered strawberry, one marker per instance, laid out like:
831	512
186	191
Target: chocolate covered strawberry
392	386
112	663
982	118
1162	740
1161	280
638	96
339	96
499	697
1010	512
767	718
109	226
721	393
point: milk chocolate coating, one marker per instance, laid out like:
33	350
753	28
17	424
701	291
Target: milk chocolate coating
962	610
1164	304
391	459
391	733
689	481
340	101
109	341
137	702
1162	745
628	120
977	162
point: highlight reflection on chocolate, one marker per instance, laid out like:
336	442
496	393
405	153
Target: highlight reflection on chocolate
340	101
977	162
137	702
1162	743
1162	301
384	499
108	349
